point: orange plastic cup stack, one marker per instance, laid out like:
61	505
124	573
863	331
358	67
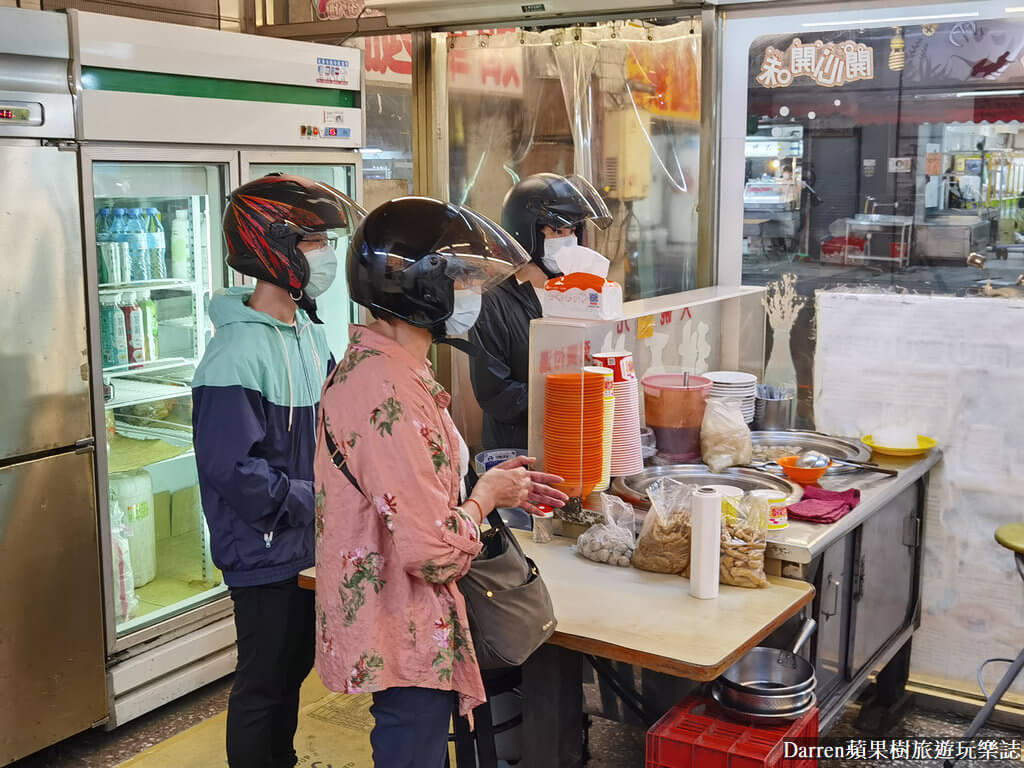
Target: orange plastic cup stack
574	430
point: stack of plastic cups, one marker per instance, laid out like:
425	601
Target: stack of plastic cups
609	421
627	457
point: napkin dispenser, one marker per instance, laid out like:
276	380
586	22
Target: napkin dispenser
582	295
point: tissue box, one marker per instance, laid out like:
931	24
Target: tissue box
582	295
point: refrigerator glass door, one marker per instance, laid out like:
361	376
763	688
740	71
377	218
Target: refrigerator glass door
153	226
339	170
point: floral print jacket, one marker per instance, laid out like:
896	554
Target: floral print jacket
389	613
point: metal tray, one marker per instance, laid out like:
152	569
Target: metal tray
634	489
837	447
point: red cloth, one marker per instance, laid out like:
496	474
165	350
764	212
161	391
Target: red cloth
821	506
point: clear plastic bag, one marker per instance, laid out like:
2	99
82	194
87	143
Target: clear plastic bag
724	435
744	540
126	603
611	541
664	542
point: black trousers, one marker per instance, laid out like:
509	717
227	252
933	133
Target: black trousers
276	630
411	727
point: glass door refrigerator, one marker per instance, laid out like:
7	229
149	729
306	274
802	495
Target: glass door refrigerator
343	171
170	120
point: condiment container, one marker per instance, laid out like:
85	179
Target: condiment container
543	525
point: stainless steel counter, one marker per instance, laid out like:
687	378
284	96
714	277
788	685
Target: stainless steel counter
801	542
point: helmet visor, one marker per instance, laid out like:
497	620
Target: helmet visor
600	216
325	209
478	253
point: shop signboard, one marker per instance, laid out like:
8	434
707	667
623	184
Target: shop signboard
494	70
826	64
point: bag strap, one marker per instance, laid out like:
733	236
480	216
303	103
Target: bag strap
341	462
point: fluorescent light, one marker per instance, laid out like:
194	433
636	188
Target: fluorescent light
895	19
1014	9
968	94
371	151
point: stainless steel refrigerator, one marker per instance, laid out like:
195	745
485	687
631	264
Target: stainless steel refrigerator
52	675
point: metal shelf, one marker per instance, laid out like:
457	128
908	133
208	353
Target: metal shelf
153	285
153	366
130	392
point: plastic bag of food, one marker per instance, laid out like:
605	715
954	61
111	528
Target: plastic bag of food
744	539
664	542
126	603
611	541
724	435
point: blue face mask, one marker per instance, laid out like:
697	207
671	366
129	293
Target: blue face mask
465	313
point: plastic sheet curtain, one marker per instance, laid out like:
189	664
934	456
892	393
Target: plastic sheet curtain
617	103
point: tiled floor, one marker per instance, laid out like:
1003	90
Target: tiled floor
613	745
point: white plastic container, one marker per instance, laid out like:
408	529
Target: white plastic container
705	543
181	258
134	494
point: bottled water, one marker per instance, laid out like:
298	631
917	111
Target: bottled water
138	244
157	244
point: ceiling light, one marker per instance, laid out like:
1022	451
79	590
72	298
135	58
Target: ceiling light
968	94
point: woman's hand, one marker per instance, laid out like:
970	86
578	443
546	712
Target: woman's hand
502	488
541	491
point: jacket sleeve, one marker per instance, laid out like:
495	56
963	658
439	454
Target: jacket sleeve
401	463
228	422
504	399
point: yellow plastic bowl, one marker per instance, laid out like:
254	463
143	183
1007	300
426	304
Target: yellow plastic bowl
924	444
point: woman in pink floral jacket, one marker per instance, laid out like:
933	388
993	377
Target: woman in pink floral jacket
392	536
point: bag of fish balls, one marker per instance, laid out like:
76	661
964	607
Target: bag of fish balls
611	541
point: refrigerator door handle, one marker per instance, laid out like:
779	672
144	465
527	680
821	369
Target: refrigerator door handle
85	445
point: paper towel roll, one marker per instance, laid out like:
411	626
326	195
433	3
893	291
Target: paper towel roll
705	542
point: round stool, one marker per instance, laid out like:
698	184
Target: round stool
1012	537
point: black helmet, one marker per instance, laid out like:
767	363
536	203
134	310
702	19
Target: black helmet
407	256
266	218
551	200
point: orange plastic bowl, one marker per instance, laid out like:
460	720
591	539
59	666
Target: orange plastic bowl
802	475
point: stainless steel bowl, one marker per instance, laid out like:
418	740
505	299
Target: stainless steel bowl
764	703
634	489
762	718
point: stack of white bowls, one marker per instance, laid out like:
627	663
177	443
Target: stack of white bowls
735	385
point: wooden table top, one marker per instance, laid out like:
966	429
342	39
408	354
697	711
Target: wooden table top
650	619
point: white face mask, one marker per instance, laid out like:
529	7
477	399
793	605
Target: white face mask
323	266
465	313
553	245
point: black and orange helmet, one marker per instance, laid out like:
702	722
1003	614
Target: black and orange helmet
265	220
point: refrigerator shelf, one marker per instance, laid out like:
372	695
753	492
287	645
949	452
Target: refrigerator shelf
153	285
139	369
129	392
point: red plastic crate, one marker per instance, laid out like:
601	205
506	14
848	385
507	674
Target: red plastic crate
697	733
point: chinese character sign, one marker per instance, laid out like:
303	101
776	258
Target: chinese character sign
827	64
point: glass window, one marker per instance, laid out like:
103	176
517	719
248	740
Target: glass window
157	240
618	103
387	156
889	157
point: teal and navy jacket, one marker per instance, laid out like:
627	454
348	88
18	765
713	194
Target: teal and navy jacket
255	397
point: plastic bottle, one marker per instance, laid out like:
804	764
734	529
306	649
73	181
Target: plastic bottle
113	338
150	325
181	258
157	242
108	263
135	329
120	238
138	242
